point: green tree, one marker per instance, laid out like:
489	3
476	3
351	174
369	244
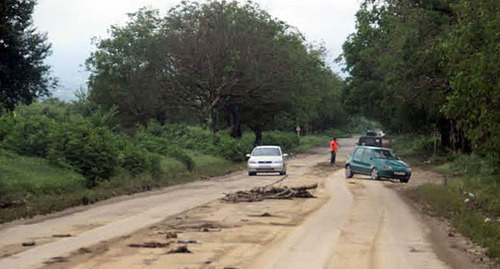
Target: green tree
226	64
23	75
421	66
471	51
227	53
397	72
130	71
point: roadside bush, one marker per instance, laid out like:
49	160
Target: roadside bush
6	125
286	140
413	145
89	149
476	169
193	137
51	108
150	142
155	167
161	145
233	149
473	165
156	137
200	139
28	135
182	156
134	159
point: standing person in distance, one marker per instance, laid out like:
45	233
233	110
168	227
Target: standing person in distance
333	150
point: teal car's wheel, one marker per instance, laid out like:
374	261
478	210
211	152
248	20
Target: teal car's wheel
404	180
374	174
252	173
348	171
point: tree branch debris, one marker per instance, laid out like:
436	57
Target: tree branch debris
269	192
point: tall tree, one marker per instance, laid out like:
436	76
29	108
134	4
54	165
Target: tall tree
420	66
132	70
227	52
471	52
395	68
230	64
23	75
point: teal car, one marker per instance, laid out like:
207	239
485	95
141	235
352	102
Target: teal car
377	163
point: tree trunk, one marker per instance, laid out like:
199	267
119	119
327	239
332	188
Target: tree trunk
234	121
212	120
160	115
465	144
258	136
459	142
444	130
454	137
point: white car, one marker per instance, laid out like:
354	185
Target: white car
266	159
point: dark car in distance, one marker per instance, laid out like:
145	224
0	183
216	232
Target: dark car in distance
374	141
378	163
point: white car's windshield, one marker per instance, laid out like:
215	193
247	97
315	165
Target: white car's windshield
384	154
266	152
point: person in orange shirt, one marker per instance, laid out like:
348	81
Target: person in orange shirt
333	150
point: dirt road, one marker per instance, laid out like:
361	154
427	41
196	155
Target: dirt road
354	223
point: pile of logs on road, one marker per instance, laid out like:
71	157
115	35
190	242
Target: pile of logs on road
269	192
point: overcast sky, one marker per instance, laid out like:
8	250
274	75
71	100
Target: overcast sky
71	24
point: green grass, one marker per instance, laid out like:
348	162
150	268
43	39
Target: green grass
209	165
466	174
411	146
35	175
31	186
468	218
444	168
171	166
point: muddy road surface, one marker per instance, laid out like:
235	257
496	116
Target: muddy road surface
355	223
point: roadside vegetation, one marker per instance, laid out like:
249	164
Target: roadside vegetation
171	98
423	67
428	72
470	196
55	155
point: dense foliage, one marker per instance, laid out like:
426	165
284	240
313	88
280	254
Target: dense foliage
225	65
23	75
426	66
53	131
201	85
428	70
71	137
